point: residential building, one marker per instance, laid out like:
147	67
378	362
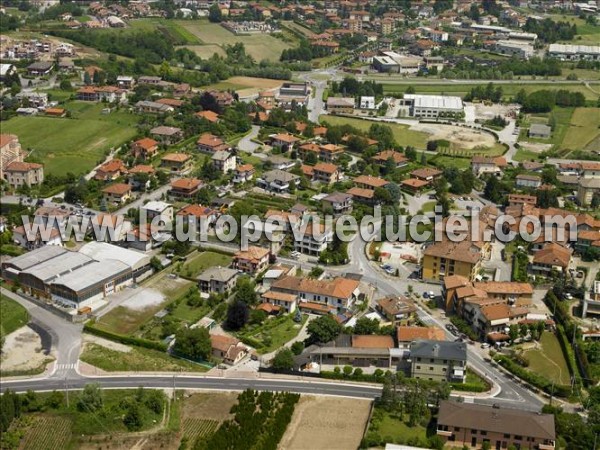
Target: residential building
176	162
398	158
369	182
284	141
109	94
252	261
528	181
438	360
432	106
414	185
587	188
201	214
590	169
314	239
148	107
406	335
19	174
326	173
427	174
117	193
330	152
538	130
111	170
125	81
488	315
552	257
217	280
277	181
367	102
223	161
209	143
483	165
340	105
338	202
185	187
446	258
40	68
279	301
167	135
223	98
521	199
475	426
211	116
228	348
144	148
366	196
339	293
157	208
243	173
396	309
10	151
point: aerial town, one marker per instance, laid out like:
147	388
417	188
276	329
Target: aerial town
319	224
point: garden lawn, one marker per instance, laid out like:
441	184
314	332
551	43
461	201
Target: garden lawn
73	145
12	315
549	360
403	135
273	333
449	161
136	360
202	261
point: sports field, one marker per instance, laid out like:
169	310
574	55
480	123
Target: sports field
74	144
259	46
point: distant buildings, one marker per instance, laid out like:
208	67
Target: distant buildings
574	52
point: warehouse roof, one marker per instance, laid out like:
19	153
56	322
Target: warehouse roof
102	251
58	266
91	274
435	101
37	256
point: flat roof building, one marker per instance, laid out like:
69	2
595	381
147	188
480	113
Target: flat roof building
574	52
432	106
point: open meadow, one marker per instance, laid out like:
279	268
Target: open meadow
259	46
75	144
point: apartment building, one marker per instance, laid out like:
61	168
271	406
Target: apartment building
313	240
19	174
447	258
251	261
438	360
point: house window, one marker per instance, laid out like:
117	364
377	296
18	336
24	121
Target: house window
418	367
430	368
507	435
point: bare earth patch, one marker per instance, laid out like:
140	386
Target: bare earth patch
463	137
535	146
326	423
22	350
210	406
145	298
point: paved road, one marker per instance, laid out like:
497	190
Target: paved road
245	144
142	199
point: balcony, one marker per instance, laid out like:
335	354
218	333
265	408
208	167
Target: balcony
446	433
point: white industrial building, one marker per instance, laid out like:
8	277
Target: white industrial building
77	279
520	49
432	106
390	61
574	52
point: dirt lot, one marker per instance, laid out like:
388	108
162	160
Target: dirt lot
22	350
462	137
326	423
211	406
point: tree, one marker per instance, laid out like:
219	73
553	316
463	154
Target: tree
237	315
245	291
297	347
283	360
65	85
364	325
91	398
214	13
193	343
323	329
155	264
87	80
133	418
513	332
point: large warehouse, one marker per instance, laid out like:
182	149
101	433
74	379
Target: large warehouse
76	279
432	106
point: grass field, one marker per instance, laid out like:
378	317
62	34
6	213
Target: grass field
394	428
549	360
273	333
76	144
171	28
202	261
136	360
403	135
12	315
583	129
586	34
259	46
509	90
449	161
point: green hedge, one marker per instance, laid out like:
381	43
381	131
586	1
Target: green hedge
128	340
560	390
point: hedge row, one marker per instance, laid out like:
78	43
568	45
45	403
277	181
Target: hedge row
560	390
469	387
128	340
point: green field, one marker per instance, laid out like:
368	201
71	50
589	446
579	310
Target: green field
273	333
403	135
393	428
259	46
199	262
586	34
549	360
12	315
73	145
460	89
136	360
583	129
443	162
170	28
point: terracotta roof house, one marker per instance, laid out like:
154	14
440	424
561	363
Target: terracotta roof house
209	143
252	261
175	103
144	148
167	135
110	170
369	182
19	173
396	308
372	341
282	139
243	173
406	335
398	158
228	348
185	187
552	257
326	173
427	174
199	213
176	162
337	293
211	116
414	184
366	196
280	300
117	193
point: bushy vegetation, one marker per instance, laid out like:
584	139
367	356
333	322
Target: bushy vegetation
259	423
545	100
550	31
